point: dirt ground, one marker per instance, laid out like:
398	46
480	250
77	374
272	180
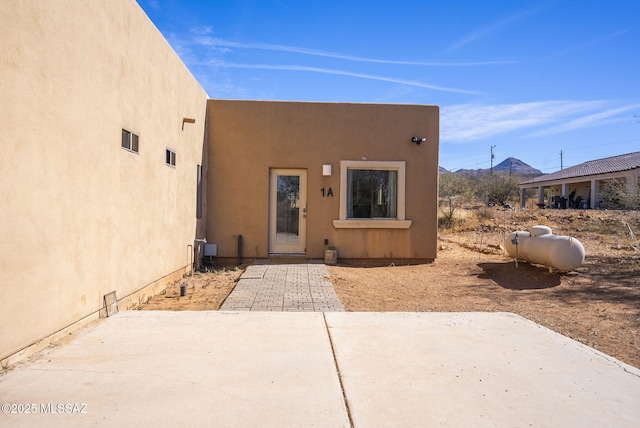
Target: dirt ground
598	304
205	291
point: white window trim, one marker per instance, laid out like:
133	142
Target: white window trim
172	157
398	223
131	134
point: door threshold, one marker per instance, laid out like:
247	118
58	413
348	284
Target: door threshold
288	257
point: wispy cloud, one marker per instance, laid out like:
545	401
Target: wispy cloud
588	44
211	41
599	118
154	4
202	31
468	122
491	28
347	73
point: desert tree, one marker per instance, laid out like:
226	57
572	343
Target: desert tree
497	188
454	190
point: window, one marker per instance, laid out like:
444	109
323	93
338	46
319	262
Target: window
129	141
170	156
372	195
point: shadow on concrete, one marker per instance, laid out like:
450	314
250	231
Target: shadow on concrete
525	277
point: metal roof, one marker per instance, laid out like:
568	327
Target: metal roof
594	167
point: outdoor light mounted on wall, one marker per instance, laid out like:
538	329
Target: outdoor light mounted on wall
326	170
187	120
418	140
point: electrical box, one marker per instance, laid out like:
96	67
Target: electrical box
210	250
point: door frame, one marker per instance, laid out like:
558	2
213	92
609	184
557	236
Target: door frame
299	247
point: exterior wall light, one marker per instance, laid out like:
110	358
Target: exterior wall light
418	140
187	120
326	170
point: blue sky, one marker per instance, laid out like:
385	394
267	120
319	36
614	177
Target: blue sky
532	78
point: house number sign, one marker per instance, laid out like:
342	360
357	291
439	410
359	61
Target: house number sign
327	193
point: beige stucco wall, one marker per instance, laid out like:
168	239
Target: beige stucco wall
81	216
247	138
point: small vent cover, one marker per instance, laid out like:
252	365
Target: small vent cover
111	303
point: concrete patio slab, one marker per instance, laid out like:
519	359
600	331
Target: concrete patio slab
476	369
169	369
332	369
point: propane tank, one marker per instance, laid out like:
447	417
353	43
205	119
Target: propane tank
540	246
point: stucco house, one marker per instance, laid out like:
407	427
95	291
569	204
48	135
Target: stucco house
292	178
118	167
580	186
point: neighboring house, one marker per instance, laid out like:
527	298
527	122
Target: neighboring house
116	166
581	186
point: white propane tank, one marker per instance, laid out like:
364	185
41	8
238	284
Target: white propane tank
540	246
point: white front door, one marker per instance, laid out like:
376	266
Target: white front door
288	211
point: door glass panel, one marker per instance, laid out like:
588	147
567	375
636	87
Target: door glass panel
288	209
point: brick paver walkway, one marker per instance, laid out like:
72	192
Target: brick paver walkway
284	287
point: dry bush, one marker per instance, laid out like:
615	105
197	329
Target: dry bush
484	213
602	232
617	194
453	220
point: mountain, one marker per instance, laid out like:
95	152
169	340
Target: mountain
517	167
510	165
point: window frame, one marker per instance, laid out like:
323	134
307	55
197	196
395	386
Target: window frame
400	222
132	142
171	155
372	194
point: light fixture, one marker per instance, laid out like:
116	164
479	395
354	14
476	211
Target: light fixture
418	140
326	170
187	120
